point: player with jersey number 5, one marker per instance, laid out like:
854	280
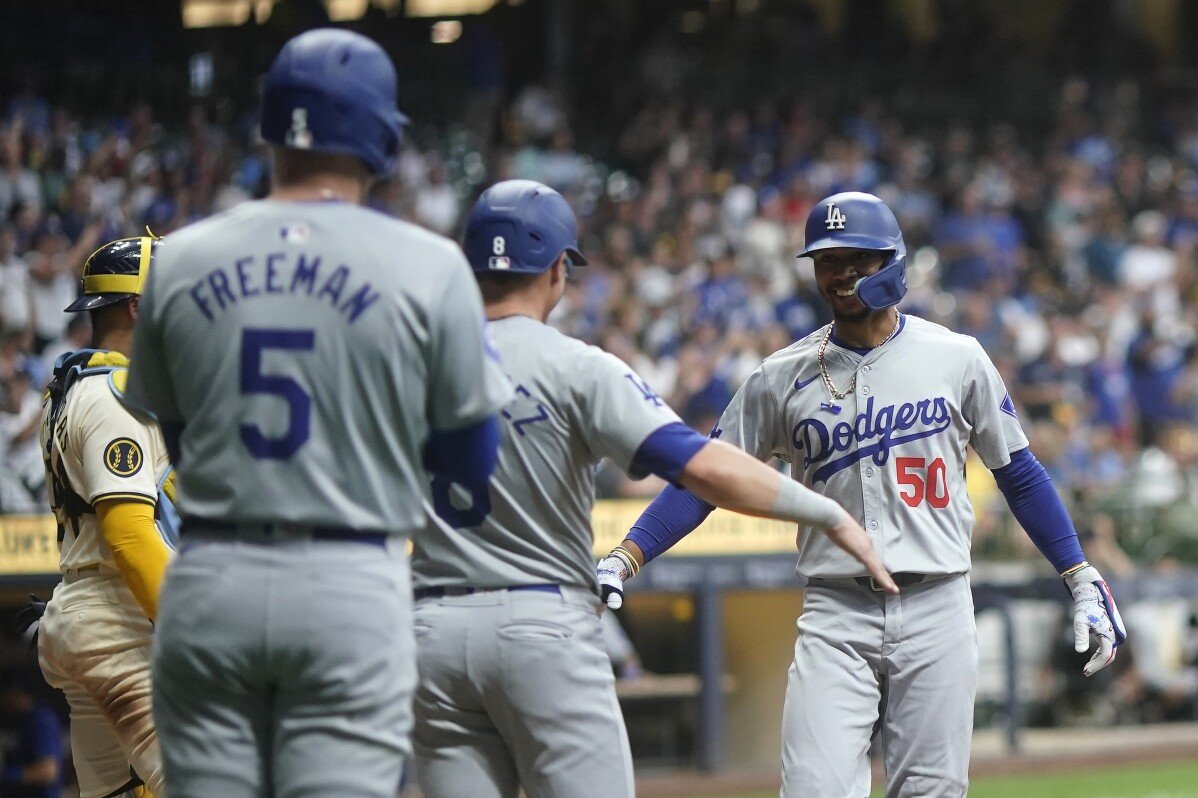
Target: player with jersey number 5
110	489
515	688
308	359
876	410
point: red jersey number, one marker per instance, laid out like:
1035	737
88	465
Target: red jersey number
928	481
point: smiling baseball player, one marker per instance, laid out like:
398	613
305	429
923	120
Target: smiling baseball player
876	410
306	355
515	688
107	473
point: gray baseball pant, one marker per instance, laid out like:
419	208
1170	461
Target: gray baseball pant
515	689
285	669
896	671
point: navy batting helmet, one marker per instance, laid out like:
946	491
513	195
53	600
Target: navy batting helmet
520	226
862	221
115	271
331	90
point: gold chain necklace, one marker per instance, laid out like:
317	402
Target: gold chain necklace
823	367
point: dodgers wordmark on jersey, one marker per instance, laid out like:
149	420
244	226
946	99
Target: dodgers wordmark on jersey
331	424
573	405
892	452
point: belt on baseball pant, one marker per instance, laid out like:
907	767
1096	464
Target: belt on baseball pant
75	574
269	532
441	592
902	579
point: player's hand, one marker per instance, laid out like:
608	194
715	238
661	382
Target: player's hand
30	616
612	572
849	536
1094	612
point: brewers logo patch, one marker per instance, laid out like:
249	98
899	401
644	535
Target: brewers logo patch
123	457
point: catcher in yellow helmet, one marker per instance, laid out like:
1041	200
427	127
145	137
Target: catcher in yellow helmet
109	478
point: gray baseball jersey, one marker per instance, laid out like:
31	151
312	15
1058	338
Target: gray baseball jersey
307	374
893	451
572	406
307	347
483	727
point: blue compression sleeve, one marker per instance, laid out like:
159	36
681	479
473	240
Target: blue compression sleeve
467	455
666	452
669	518
1039	510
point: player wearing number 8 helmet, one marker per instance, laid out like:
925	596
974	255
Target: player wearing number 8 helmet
323	359
108	479
520	227
515	689
877	410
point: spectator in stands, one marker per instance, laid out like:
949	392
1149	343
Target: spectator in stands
33	763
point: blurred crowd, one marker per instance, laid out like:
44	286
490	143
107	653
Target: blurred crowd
1070	254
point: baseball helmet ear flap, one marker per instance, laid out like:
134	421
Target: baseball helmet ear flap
887	285
857	220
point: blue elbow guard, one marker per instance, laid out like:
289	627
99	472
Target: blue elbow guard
467	455
666	452
1039	510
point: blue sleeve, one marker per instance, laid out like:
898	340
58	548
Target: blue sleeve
467	455
669	518
1039	510
666	452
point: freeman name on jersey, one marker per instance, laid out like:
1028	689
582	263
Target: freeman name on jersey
282	273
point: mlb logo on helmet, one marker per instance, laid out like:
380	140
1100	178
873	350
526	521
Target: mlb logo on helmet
502	263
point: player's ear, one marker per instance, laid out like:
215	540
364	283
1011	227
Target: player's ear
561	269
134	308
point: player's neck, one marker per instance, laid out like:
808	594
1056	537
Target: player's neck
517	305
868	332
114	341
321	186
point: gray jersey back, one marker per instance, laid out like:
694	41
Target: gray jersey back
308	346
574	405
893	451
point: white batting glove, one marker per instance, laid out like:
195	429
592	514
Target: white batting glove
612	572
1094	611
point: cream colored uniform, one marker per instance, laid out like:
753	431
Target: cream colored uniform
94	641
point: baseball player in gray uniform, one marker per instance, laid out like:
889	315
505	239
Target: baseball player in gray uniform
515	688
876	411
305	355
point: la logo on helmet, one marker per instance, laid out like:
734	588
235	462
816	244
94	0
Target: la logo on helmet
835	220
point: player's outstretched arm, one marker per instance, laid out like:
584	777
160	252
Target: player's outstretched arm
1034	502
724	476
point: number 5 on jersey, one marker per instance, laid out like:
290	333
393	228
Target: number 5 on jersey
927	481
299	403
